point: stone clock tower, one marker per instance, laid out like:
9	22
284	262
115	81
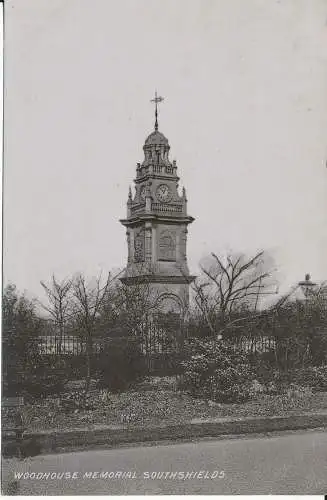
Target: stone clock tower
156	226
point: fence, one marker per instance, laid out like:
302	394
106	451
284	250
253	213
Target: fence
66	345
155	339
255	344
159	338
159	342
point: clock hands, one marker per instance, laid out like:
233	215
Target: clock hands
163	192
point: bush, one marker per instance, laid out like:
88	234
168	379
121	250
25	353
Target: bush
120	364
76	401
312	376
218	371
46	376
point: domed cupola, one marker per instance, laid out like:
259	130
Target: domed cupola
156	138
156	147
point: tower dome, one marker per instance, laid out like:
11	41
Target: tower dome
156	149
156	138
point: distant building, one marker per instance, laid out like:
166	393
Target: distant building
305	290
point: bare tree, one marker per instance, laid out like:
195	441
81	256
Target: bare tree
89	297
229	286
58	294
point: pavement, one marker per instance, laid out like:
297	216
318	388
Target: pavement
280	463
112	436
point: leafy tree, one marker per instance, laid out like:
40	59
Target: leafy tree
25	370
20	329
300	331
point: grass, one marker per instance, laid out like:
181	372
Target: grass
160	404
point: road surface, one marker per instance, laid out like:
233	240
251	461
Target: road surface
293	463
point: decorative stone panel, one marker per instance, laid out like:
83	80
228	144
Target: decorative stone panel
167	246
139	246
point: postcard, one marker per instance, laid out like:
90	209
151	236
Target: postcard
164	299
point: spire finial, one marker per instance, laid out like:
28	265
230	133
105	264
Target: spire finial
156	100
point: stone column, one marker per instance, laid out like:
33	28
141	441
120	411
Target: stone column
131	244
179	248
129	254
148	198
154	245
183	243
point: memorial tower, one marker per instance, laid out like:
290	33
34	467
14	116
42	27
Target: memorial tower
156	226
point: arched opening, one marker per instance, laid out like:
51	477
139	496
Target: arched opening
165	335
170	317
170	303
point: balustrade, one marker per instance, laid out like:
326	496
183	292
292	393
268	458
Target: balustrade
167	207
155	168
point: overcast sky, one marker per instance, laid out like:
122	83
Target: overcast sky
245	113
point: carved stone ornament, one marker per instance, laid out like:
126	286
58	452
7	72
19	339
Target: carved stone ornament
139	246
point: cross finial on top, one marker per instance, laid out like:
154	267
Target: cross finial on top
156	100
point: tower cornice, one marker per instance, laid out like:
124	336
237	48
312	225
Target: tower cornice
134	221
153	278
146	177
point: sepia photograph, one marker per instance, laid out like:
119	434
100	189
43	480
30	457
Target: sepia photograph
164	247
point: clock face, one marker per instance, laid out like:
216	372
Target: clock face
142	193
163	193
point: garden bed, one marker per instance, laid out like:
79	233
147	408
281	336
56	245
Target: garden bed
159	404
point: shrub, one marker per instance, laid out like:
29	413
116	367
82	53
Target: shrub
76	401
218	371
264	364
46	376
312	376
120	364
